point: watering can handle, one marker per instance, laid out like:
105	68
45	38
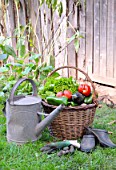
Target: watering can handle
18	83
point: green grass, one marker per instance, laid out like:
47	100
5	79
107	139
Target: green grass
29	157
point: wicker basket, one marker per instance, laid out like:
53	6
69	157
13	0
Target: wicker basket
71	122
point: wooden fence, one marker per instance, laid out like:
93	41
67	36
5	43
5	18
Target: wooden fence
95	20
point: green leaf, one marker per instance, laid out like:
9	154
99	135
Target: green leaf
20	61
49	93
3	56
42	76
48	2
41	2
54	4
2	47
6	87
35	56
3	69
60	8
10	51
9	64
1	39
47	68
22	50
26	71
76	44
56	74
20	42
2	77
77	34
1	94
30	65
17	64
71	38
11	78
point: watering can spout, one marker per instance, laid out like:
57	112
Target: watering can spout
44	123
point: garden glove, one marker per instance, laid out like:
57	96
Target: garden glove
52	147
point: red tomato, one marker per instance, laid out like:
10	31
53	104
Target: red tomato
59	94
67	94
84	89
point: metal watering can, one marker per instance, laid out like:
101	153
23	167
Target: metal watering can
23	115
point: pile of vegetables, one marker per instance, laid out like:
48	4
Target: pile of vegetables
67	91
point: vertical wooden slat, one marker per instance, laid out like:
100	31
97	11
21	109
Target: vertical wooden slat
114	44
35	20
48	30
59	26
110	27
103	37
22	19
45	33
62	37
56	30
22	14
2	18
38	27
81	52
70	32
33	17
96	63
11	17
43	25
89	35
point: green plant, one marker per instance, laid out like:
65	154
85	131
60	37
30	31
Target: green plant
54	5
25	64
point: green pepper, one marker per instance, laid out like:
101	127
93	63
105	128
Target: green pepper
88	100
72	103
57	100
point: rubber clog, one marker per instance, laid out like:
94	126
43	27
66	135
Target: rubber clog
87	143
102	136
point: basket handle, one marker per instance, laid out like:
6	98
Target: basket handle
88	78
16	86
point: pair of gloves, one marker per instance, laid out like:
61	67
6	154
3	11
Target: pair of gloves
65	147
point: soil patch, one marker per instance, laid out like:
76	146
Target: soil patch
106	91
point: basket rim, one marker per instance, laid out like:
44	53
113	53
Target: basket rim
89	106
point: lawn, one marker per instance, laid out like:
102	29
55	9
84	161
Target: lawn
29	157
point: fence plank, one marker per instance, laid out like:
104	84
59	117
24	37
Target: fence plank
60	51
103	37
22	20
82	52
43	20
110	23
22	14
70	32
114	45
96	63
2	18
89	35
12	23
48	29
38	27
36	23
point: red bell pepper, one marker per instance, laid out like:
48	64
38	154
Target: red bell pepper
85	89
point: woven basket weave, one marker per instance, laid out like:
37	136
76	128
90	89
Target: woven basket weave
71	122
